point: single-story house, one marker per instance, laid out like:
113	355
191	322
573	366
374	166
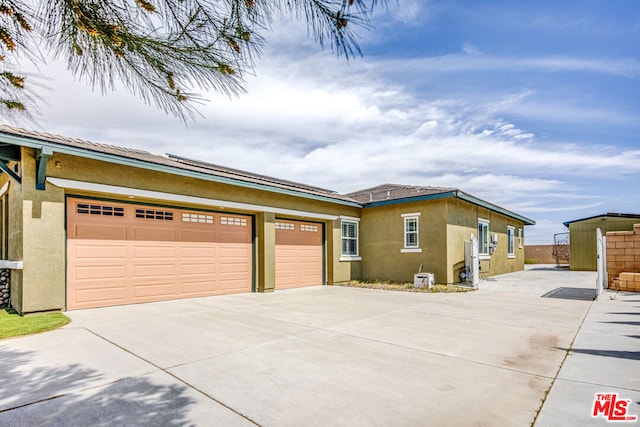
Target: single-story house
407	229
582	236
90	225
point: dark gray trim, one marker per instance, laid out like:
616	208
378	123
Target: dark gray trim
42	158
457	194
604	216
4	167
471	199
411	199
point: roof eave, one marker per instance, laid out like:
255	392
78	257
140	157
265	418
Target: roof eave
603	216
458	194
127	161
471	199
411	199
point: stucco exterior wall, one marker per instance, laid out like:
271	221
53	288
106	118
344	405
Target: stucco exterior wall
501	262
337	270
444	226
13	250
582	239
382	239
462	222
88	170
38	240
41	286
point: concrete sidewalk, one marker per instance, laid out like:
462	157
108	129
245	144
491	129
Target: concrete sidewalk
604	358
315	356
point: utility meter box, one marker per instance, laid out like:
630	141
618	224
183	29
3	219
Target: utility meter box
421	280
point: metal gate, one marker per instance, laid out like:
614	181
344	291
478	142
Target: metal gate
601	247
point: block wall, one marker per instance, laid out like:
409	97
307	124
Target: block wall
544	254
623	256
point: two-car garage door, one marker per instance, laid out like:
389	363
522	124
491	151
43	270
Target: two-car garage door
126	253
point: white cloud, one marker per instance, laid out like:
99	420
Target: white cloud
469	48
463	62
410	12
346	126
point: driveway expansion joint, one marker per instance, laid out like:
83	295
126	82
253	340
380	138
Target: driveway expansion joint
159	368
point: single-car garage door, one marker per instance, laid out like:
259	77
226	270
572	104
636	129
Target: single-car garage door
298	254
121	253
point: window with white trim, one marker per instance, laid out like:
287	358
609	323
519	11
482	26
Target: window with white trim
520	237
349	238
411	232
511	251
411	240
483	237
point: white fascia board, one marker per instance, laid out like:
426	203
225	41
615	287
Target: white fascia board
171	197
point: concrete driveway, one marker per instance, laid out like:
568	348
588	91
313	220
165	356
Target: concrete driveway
313	356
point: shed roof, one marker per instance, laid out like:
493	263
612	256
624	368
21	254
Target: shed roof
604	216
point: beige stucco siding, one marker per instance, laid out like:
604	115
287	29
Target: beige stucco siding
444	225
382	241
337	270
462	222
36	227
582	243
37	238
42	284
88	170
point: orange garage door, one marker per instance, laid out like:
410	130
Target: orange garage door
298	254
125	253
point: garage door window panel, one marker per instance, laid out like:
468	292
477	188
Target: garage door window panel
98	209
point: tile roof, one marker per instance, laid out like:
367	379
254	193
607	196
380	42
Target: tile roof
173	161
395	192
380	194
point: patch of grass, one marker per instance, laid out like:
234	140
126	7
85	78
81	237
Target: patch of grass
13	325
406	287
530	261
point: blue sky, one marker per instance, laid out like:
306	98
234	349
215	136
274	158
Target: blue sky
530	105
